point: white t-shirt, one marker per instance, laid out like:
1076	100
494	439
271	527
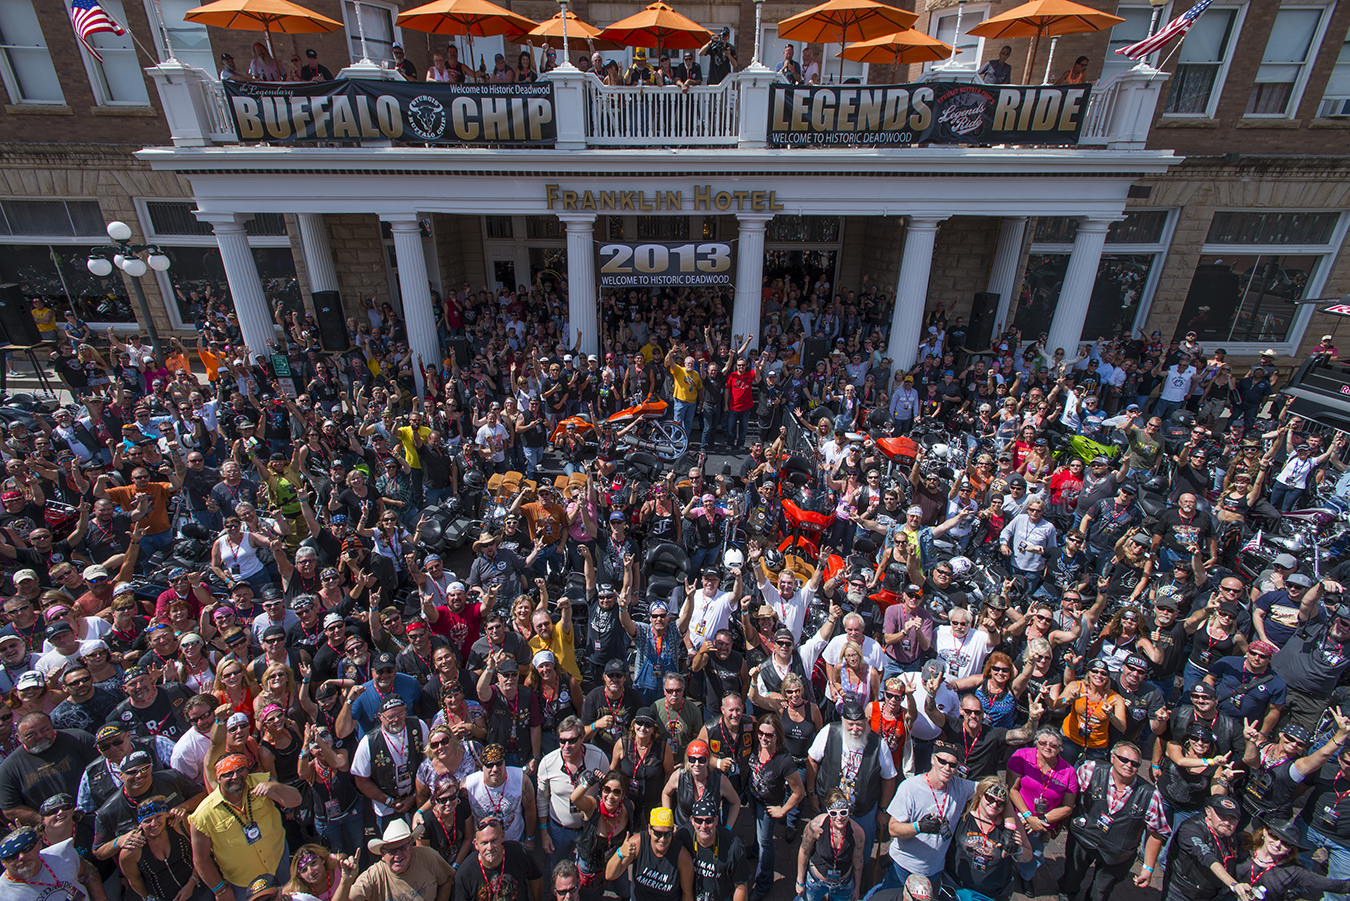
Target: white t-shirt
711	614
924	854
963	658
874	655
54	659
947	701
361	760
64	864
95	628
791	612
553	791
1177	384
493	438
504	803
189	754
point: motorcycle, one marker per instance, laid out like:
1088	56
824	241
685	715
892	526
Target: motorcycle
663	438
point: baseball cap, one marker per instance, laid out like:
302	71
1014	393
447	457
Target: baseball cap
1224	806
616	667
1285	561
383	661
1203	688
932	669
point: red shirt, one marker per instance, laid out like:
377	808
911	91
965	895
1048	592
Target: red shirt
462	628
739	397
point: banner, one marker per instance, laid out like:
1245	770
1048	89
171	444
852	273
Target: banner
416	112
659	265
936	113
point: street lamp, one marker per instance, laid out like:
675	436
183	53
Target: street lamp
759	12
135	260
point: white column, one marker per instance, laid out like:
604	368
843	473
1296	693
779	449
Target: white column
318	253
1071	311
1003	274
418	315
241	272
583	309
749	279
911	290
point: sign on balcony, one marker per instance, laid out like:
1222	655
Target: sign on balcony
935	113
661	265
445	114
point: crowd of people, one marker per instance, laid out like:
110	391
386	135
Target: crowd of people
234	668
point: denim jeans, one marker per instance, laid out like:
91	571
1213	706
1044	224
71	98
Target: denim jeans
684	415
1164	408
818	890
711	418
344	834
895	878
868	822
1175	818
1282	498
1338	862
432	497
704	556
152	543
1028	870
564	843
533	457
1191	675
737	423
795	814
764	827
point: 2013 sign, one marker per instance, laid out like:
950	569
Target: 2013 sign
660	265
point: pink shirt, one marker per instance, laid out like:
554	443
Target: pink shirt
1035	784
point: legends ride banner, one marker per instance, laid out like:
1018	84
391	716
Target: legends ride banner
443	114
936	113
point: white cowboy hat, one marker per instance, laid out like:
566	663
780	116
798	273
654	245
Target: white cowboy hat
396	831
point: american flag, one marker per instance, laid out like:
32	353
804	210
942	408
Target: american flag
89	18
1173	29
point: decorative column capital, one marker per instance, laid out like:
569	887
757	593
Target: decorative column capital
402	223
753	222
577	222
1014	219
1095	226
925	223
224	223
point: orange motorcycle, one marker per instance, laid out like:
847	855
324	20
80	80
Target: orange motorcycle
640	427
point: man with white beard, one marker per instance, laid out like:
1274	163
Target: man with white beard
49	762
924	812
853	758
26	860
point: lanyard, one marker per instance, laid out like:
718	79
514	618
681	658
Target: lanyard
55	883
493	884
973	744
939	803
1222	846
640	760
247	809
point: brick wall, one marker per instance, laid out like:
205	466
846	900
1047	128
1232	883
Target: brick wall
459	250
961	260
358	257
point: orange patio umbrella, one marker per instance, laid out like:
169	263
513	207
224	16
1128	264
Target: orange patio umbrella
834	21
900	48
472	18
266	16
1044	18
658	26
550	32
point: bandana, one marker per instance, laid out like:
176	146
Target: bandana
229	763
18	842
150	808
492	754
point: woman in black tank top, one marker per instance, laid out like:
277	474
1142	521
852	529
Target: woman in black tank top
661	516
444	821
694	780
608	817
660	863
829	861
646	761
279	738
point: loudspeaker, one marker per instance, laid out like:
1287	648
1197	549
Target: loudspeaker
983	312
332	321
460	348
16	318
814	350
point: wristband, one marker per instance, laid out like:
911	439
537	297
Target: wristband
218	886
1024	815
619	852
1147	869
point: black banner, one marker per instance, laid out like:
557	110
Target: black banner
936	113
417	112
651	265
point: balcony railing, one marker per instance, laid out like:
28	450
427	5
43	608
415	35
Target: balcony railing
733	114
662	117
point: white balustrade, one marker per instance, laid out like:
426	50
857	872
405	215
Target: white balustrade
661	117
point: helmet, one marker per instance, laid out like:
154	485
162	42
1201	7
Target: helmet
474	481
773	560
961	567
940	450
734	558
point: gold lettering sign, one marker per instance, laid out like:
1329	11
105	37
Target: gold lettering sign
706	197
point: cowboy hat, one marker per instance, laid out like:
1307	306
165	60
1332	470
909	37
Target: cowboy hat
395	832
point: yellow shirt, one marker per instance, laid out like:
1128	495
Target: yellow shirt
238	861
560	643
686	382
651	351
404	434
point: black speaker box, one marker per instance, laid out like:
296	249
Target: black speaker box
983	312
814	350
332	321
16	318
460	348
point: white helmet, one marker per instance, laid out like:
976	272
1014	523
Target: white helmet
961	567
734	558
940	450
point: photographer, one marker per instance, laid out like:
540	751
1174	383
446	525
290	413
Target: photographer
721	55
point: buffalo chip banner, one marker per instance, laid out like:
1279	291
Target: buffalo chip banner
416	112
935	113
658	265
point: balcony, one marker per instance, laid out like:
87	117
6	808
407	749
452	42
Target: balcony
735	114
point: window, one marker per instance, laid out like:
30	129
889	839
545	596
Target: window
498	226
1134	28
803	229
545	228
968	48
118	79
662	228
25	65
58	273
377	21
771	54
188	42
1126	276
1202	63
1253	270
51	218
1336	100
171	217
1292	45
